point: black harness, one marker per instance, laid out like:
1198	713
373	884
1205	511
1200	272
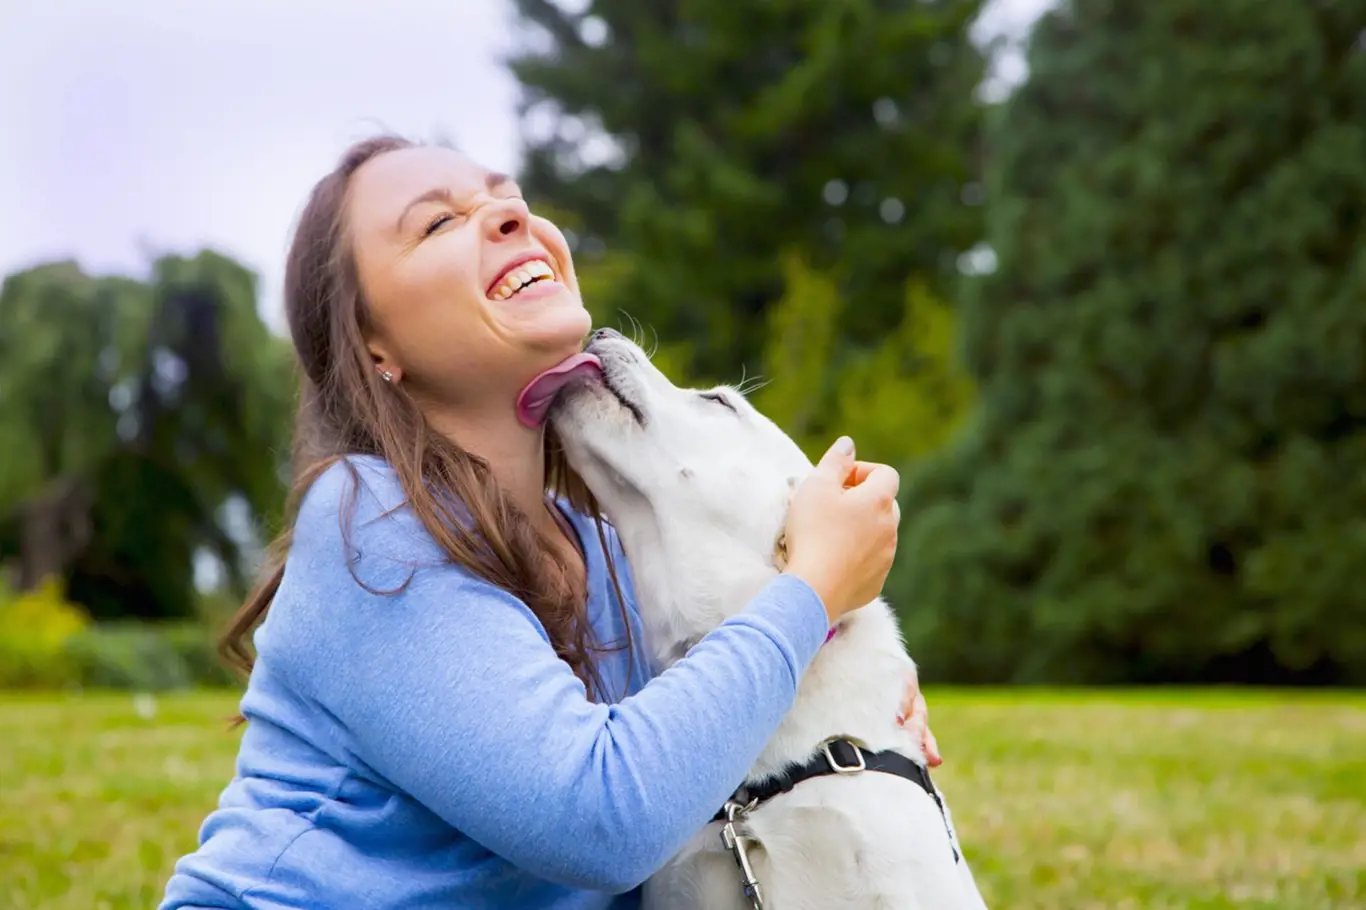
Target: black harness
839	756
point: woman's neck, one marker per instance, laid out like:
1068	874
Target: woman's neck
514	453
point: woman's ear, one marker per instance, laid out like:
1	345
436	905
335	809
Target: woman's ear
384	362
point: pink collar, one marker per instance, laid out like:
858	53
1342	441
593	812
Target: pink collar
831	634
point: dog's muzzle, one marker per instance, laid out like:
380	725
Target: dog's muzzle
616	364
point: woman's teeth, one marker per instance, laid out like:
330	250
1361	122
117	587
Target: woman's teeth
525	274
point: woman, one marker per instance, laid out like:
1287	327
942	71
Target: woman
446	708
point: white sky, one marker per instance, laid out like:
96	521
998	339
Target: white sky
133	127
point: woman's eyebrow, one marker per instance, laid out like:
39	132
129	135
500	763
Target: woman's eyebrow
435	194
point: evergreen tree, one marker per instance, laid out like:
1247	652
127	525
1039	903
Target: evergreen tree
1167	476
841	133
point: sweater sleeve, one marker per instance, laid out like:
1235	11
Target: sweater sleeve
451	690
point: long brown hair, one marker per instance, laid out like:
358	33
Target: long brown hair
345	408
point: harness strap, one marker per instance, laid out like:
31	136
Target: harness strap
840	756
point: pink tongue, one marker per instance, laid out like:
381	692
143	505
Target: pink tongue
535	399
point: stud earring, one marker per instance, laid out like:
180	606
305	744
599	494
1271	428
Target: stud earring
386	375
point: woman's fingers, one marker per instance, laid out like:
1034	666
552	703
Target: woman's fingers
859	473
908	697
915	716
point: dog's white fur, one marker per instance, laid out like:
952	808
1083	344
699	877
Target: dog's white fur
698	493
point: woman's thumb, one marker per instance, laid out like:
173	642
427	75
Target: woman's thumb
839	458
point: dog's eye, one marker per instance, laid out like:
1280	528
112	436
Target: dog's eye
718	398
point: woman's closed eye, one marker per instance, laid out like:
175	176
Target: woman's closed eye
438	222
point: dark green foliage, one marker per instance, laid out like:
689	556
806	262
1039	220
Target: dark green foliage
1167	477
138	416
731	119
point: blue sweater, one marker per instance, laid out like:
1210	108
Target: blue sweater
427	748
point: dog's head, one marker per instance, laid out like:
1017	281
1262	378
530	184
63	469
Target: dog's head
696	482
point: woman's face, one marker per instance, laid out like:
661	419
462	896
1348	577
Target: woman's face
471	295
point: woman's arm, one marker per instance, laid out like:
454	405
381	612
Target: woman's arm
451	691
913	714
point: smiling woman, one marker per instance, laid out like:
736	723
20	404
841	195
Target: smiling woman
462	234
446	706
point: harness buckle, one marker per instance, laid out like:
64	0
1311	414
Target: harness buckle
860	763
736	842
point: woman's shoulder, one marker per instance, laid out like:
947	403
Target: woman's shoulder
359	505
358	556
352	481
357	510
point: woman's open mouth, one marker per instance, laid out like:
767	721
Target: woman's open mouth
522	276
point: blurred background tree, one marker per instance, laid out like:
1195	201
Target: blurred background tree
701	143
147	426
1165	478
900	399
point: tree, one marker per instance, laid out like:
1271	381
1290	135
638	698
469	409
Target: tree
844	133
1166	477
63	341
143	415
899	400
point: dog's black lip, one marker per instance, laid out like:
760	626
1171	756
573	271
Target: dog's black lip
626	403
605	357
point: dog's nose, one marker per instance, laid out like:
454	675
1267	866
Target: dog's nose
604	334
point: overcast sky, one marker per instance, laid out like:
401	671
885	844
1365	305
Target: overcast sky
135	127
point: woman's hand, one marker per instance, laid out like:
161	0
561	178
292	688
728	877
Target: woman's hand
915	716
841	529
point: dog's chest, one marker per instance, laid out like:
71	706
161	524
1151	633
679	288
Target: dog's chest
831	844
853	688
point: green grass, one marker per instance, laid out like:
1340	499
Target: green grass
1070	800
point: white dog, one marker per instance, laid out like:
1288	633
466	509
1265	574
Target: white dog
697	485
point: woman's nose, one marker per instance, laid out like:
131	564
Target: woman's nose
506	218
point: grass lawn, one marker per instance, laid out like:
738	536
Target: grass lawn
1069	800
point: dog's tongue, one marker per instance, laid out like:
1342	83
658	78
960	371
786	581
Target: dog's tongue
535	399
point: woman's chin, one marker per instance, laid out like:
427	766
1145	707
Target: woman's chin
552	322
